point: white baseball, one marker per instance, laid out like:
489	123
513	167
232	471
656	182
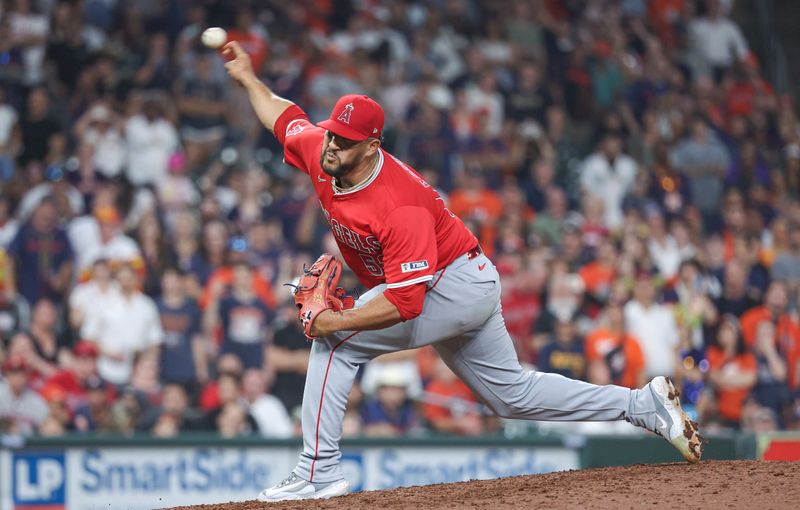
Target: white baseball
214	37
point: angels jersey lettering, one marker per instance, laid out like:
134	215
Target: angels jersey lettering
393	228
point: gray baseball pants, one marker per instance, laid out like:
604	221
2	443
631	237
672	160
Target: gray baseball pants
463	320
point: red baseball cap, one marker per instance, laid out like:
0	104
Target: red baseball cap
355	117
86	349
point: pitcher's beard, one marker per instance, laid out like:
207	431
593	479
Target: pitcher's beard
336	171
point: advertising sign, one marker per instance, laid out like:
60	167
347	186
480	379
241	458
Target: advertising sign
149	477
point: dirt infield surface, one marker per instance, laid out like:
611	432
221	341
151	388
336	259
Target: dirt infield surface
754	485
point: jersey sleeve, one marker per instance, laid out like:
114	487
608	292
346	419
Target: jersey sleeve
409	257
300	138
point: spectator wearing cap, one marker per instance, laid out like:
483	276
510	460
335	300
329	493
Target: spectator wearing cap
72	379
241	315
58	410
613	354
42	256
653	324
732	369
21	408
390	412
404	362
84	296
108	242
184	351
56	187
609	174
95	414
151	139
101	141
128	324
787	331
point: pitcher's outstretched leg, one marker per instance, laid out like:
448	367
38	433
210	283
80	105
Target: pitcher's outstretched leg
488	363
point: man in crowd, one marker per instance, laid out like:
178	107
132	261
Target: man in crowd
127	325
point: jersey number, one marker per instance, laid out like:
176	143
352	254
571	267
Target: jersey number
372	264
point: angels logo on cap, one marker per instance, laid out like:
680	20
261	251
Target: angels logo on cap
345	115
355	117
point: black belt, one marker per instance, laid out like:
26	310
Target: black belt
474	252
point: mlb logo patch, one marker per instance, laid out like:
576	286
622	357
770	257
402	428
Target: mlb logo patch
409	267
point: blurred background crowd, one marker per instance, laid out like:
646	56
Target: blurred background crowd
625	163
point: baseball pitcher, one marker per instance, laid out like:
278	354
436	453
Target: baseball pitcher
429	284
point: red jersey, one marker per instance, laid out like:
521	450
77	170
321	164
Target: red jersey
393	228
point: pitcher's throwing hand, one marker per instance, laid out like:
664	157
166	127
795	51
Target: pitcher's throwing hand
239	65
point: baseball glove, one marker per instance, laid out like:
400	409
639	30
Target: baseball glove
317	291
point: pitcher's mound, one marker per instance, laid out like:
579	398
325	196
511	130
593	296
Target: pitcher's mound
753	485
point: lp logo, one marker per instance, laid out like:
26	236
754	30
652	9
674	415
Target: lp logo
39	478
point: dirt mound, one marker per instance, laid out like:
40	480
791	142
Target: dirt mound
712	484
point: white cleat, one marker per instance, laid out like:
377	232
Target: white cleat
673	424
294	488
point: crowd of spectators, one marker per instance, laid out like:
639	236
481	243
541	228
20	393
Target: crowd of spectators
623	162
